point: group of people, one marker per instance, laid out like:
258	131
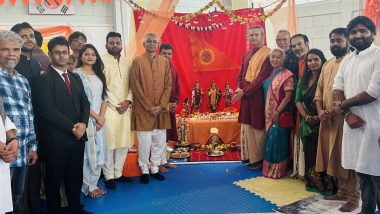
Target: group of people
315	116
68	118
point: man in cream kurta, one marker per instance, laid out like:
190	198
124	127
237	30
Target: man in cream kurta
329	152
151	84
356	90
118	115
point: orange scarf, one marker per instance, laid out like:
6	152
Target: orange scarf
256	62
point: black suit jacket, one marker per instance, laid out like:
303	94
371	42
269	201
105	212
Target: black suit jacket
58	110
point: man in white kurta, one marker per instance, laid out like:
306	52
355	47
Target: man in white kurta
356	90
6	156
118	115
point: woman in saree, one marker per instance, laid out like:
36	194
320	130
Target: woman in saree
278	93
90	70
309	127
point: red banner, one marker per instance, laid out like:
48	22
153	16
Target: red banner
207	55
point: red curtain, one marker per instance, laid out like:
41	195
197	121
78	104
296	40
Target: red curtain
372	10
207	56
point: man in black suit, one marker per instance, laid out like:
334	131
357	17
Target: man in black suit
63	110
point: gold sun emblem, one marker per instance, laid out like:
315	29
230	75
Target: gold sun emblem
206	56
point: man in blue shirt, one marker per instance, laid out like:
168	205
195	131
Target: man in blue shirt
16	94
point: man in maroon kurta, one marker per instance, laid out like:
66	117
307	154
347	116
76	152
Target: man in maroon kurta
166	50
254	70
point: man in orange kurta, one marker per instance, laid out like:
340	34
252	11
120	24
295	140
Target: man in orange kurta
151	84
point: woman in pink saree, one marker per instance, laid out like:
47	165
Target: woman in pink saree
278	94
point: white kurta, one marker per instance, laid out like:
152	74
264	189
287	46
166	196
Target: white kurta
358	73
118	126
5	176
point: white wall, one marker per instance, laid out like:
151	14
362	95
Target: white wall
316	19
94	20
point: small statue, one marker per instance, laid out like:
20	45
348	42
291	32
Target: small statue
185	108
182	131
196	98
228	93
214	139
214	96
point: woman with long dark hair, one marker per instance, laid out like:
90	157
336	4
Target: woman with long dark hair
309	127
90	69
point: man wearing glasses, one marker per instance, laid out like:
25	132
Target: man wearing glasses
63	111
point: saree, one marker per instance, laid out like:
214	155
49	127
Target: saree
276	145
308	134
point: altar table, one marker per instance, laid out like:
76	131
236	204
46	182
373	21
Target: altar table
199	130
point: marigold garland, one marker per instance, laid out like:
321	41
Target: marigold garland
184	21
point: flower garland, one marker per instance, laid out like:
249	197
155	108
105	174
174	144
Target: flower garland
213	26
183	21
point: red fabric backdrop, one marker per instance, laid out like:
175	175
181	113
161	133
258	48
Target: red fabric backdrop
222	51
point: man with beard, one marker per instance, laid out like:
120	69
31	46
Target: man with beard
283	42
151	84
255	69
27	66
300	46
356	92
16	95
329	152
118	115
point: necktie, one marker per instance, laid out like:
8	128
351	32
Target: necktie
67	83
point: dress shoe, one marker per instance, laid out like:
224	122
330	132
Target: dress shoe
110	184
348	207
144	179
158	176
124	179
254	166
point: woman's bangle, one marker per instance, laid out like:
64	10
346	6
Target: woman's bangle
307	116
10	140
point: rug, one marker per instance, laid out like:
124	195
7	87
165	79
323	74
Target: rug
314	204
282	191
200	155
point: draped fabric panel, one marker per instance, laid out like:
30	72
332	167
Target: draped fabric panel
207	56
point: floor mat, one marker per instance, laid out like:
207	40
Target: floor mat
281	191
314	204
193	188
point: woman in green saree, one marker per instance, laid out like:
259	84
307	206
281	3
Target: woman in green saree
278	92
309	127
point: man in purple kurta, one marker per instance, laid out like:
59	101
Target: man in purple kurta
166	50
254	70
